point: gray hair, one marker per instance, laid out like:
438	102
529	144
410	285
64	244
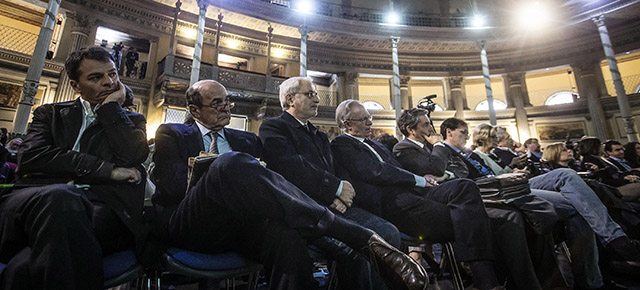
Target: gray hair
500	133
343	112
289	87
482	134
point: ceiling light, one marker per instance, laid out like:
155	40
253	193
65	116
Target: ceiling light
533	16
278	52
478	21
233	43
392	18
303	6
190	33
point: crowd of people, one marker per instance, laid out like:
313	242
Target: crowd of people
272	195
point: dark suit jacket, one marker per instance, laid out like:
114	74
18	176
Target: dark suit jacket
175	143
461	167
374	181
116	139
607	173
505	156
303	157
428	160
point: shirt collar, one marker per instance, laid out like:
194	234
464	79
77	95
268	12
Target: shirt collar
416	142
618	159
204	130
86	107
357	138
453	147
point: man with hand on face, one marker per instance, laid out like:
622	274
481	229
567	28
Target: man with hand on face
81	165
240	205
295	148
416	204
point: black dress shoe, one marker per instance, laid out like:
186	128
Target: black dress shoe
398	270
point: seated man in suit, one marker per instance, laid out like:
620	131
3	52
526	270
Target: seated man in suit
617	167
423	152
295	148
570	195
239	205
418	206
81	165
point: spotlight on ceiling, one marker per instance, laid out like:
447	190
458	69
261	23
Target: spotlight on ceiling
303	6
478	21
533	16
392	18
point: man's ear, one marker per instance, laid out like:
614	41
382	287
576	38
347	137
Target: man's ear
289	99
75	86
194	111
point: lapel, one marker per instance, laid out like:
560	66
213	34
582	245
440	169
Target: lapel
473	171
193	135
301	132
426	151
231	137
72	121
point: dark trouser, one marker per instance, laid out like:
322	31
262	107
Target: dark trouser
229	205
53	236
511	251
447	212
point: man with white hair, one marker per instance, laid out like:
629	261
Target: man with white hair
417	205
295	148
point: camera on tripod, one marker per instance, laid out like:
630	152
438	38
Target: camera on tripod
427	103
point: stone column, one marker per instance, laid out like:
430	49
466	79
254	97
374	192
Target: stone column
487	82
268	82
30	86
79	35
303	49
197	52
586	80
513	85
623	102
348	82
405	93
457	95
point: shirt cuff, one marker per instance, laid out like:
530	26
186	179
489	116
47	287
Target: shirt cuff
451	175
420	181
339	191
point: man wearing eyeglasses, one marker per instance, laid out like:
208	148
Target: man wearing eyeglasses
239	205
417	205
295	148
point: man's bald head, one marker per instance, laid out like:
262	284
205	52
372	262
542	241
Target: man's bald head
208	104
209	87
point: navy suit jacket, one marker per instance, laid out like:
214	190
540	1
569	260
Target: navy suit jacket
375	182
302	156
428	160
461	167
175	143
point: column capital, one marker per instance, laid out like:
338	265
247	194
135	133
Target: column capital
515	78
269	32
598	20
585	68
394	41
404	80
219	23
83	23
202	4
304	31
350	76
455	82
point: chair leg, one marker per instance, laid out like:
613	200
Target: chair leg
453	265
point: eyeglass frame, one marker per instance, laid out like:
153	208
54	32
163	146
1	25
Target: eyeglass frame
221	104
309	94
370	118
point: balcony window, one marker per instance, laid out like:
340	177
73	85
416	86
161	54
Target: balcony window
497	105
561	98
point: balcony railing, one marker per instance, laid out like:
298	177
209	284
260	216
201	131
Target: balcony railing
631	85
17	40
377	16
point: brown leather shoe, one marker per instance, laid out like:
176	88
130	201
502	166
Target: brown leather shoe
398	270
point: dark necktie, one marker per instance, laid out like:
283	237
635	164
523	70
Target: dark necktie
481	168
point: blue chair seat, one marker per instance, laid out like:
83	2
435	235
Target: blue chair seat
228	265
120	268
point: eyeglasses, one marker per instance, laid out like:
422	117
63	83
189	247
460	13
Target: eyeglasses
362	119
219	104
309	94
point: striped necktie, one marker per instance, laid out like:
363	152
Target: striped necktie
213	146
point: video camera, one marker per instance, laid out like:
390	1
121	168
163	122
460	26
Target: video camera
427	103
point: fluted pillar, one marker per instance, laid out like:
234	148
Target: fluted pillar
405	93
348	86
487	82
30	86
587	82
79	35
197	52
621	96
513	85
457	95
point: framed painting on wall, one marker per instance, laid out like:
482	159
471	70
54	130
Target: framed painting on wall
9	95
560	131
